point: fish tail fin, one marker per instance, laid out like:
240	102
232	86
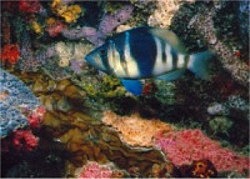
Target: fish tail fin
199	64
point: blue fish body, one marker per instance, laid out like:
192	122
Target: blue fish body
146	52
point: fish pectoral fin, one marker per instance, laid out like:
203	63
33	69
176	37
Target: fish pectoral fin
171	75
133	86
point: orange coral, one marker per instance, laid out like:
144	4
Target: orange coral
10	53
132	128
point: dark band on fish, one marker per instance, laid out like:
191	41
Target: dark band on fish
175	58
164	55
144	52
104	60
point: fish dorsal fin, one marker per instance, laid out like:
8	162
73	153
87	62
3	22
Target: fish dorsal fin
170	37
133	86
171	75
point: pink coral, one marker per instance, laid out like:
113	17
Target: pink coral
36	117
95	170
24	140
55	29
183	147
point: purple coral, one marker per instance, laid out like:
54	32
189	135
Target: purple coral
110	22
106	26
29	60
76	65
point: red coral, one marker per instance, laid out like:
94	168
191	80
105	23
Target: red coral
24	140
184	147
9	6
10	53
149	88
27	6
55	29
94	170
36	117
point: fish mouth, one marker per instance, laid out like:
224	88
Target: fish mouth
87	58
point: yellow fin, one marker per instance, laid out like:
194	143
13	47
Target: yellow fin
170	37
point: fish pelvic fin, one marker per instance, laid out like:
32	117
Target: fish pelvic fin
133	86
199	64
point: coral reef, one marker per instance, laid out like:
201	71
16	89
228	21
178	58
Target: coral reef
164	12
54	27
25	140
36	27
198	169
10	54
28	61
70	13
106	26
220	125
132	128
165	92
95	170
183	147
243	16
203	169
204	23
232	104
16	98
100	87
71	51
29	6
89	126
21	139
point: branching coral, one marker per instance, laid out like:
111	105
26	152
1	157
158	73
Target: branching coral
132	129
183	147
24	140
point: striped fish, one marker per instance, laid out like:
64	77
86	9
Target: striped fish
146	52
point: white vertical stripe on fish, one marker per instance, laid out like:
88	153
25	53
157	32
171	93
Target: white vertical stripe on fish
131	65
114	60
159	64
169	57
181	61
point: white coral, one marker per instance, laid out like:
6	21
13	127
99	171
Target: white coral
164	12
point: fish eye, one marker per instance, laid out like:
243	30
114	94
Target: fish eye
102	52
